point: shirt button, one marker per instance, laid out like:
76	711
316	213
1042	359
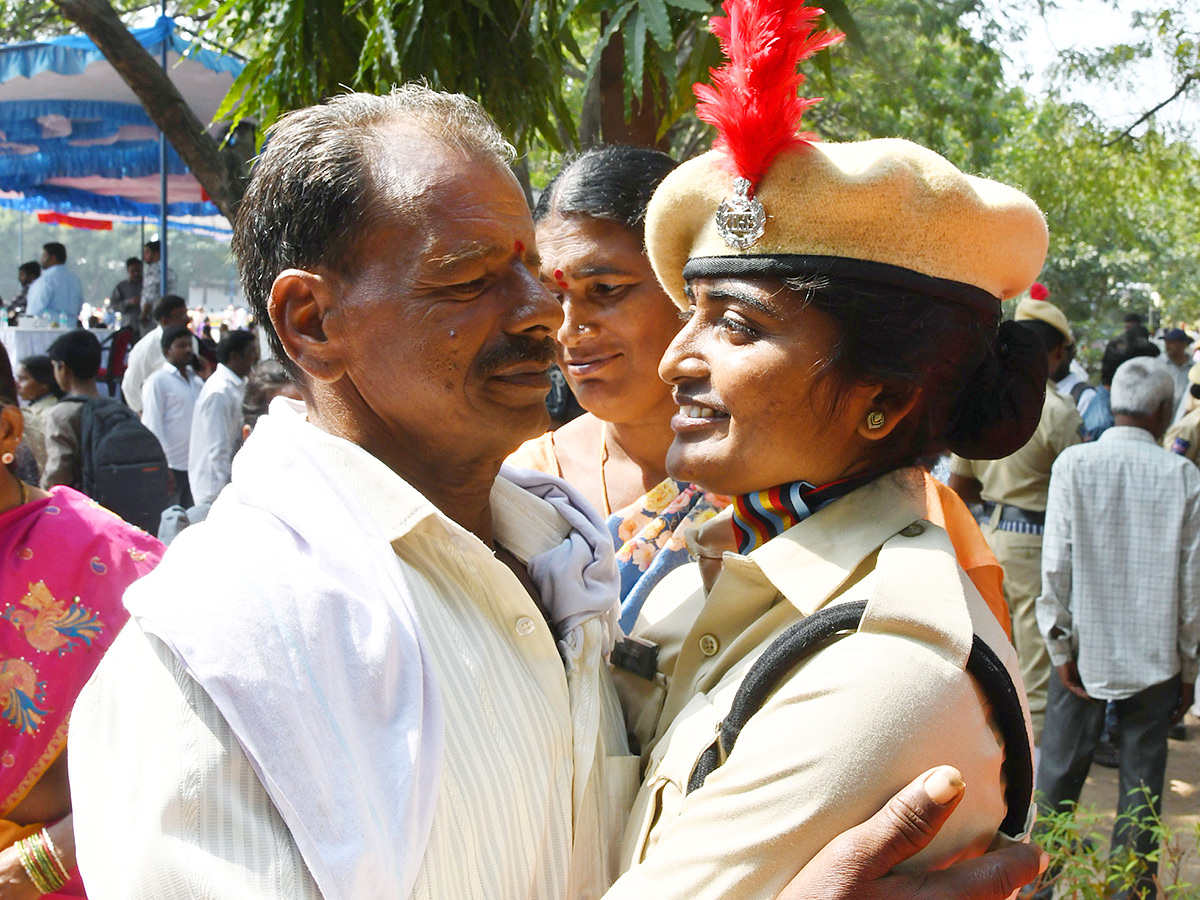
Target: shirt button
524	626
709	645
916	528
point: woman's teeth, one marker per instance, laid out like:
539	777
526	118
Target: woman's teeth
697	412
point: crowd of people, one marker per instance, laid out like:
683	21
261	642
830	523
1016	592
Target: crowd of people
51	293
722	635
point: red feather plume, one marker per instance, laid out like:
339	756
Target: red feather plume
753	101
1038	291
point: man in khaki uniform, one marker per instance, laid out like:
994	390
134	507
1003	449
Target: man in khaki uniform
1012	493
1184	436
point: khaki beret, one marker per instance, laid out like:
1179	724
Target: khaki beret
1029	310
886	201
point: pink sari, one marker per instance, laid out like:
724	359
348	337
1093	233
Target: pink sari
65	562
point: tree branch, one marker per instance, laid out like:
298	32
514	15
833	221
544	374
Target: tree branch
162	101
1187	82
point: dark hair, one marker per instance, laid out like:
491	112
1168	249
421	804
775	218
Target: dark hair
31	268
1133	318
132	261
267	379
8	384
41	370
982	382
1122	349
313	190
56	251
613	183
153	247
234	342
167	305
1049	336
172	334
79	351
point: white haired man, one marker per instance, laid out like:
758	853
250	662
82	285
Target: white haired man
1120	604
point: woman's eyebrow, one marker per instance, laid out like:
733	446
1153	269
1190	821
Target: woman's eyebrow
743	297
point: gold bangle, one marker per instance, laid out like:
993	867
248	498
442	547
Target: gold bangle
29	864
39	865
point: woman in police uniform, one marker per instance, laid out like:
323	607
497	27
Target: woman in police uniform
842	307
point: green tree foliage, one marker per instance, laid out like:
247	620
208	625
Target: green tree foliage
510	53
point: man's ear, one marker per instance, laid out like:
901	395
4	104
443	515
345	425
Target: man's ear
887	410
301	306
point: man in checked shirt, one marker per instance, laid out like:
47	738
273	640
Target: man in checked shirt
1120	605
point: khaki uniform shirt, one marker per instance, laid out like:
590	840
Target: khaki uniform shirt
1184	436
853	724
1023	479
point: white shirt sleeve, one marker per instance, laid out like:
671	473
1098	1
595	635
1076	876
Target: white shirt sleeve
1189	583
135	377
167	807
210	453
35	298
153	400
1054	605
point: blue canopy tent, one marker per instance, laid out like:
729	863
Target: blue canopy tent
75	139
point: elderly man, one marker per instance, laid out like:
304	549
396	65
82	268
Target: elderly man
1120	604
400	688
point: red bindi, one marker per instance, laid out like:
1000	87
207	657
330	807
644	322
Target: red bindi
558	274
520	247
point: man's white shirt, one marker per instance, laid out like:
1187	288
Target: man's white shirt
168	403
216	427
56	291
145	359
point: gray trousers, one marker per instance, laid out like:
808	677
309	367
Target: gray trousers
1073	727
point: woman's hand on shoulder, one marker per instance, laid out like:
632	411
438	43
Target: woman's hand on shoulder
856	864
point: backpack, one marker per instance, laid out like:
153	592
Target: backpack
123	467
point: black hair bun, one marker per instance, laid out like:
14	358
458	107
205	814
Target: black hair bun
1000	408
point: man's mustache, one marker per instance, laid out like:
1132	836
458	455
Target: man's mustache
516	350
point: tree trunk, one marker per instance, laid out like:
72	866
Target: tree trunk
641	128
164	104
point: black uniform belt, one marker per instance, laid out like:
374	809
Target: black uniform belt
1013	518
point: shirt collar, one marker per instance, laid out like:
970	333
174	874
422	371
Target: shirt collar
229	375
809	562
522	523
1127	433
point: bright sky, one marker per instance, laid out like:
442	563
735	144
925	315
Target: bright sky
1089	25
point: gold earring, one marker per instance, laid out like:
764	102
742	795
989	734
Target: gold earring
875	419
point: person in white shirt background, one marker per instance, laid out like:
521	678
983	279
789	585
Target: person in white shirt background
217	421
146	357
168	402
57	294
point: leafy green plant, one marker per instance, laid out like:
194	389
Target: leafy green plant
1082	866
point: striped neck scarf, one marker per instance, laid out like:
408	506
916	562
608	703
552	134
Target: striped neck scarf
762	515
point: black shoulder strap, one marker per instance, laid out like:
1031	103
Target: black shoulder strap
809	635
1078	389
